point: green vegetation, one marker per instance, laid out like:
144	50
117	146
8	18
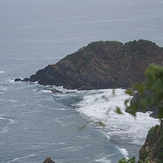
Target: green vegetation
139	47
151	132
75	57
86	53
159	147
124	160
87	57
150	94
100	44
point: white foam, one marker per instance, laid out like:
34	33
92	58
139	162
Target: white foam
21	158
71	149
101	107
2	72
104	159
124	152
46	91
59	109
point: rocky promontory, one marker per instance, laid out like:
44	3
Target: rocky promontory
100	65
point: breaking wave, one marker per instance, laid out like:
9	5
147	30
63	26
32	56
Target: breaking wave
101	108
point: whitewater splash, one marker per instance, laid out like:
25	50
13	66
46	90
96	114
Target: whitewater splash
101	107
98	107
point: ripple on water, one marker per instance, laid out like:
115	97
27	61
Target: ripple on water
6	123
19	159
2	72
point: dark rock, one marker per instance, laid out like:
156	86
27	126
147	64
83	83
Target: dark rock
153	109
102	65
48	160
153	146
17	79
26	80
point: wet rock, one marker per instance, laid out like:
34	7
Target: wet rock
153	110
23	80
17	79
26	80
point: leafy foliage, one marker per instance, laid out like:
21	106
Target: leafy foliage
124	160
132	160
150	93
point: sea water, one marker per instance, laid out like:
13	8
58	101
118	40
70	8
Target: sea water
34	122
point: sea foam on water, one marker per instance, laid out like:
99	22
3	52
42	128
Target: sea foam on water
101	107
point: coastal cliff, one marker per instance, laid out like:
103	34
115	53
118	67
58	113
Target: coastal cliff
152	150
101	65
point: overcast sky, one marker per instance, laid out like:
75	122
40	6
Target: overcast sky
30	10
139	17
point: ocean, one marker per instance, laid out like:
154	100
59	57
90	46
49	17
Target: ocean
36	123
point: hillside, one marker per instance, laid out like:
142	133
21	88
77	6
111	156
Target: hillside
100	65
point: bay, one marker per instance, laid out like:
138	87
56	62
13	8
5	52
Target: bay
34	123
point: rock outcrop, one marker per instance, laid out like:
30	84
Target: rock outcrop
48	160
154	110
152	150
101	65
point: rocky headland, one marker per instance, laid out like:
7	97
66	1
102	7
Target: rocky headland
108	64
101	65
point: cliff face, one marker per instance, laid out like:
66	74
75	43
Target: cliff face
152	149
100	65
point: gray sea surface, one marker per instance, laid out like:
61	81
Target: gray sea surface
35	123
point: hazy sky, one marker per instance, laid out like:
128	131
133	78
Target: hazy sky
29	10
17	10
123	18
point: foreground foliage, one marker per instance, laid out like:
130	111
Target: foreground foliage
150	94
